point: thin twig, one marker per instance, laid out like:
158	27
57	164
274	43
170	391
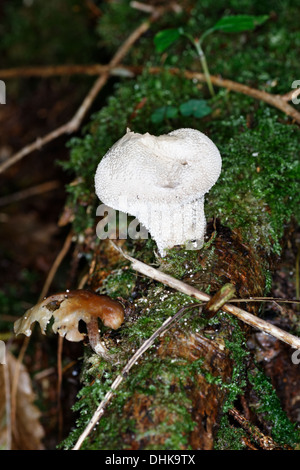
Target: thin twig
278	101
74	124
29	192
266	299
142	7
242	315
291	95
145	346
56	264
265	442
44	291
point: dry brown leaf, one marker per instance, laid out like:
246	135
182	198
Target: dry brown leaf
28	431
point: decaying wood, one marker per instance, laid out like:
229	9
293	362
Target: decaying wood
100	409
207	397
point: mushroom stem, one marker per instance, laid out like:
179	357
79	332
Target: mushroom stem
94	338
183	224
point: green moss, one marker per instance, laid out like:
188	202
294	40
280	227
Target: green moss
180	262
257	191
229	437
269	407
119	283
154	310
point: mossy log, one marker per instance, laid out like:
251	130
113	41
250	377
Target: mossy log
180	390
179	393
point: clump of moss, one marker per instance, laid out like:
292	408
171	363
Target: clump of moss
270	409
266	405
229	437
257	191
119	283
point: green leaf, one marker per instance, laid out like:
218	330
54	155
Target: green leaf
195	108
238	23
165	38
165	112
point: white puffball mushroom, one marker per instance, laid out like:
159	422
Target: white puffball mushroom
162	182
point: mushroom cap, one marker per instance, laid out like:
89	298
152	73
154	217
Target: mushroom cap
73	306
174	168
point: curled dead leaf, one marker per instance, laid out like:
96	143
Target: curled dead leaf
25	432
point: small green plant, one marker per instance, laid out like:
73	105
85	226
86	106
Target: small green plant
227	24
193	107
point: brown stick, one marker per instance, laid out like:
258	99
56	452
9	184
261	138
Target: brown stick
29	192
242	315
266	442
278	101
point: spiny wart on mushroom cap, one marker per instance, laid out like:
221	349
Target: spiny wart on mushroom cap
161	181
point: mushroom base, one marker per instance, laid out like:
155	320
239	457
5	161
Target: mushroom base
171	224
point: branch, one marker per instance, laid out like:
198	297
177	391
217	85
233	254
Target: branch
278	101
29	192
145	346
74	124
242	315
265	442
